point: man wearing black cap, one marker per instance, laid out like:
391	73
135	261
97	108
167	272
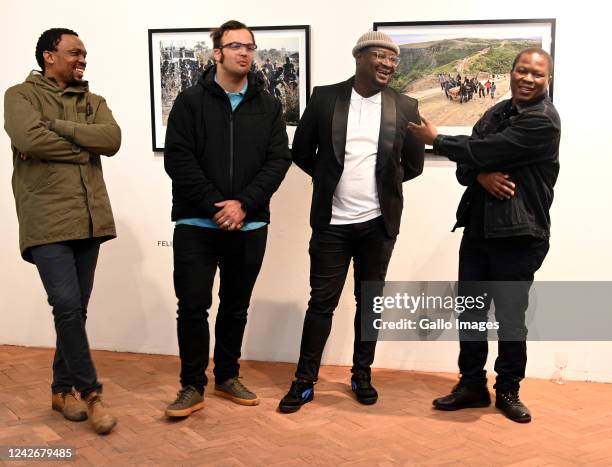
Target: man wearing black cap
352	140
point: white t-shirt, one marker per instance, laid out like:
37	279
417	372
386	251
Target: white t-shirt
356	197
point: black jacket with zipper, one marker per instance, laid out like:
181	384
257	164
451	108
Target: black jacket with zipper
213	154
522	141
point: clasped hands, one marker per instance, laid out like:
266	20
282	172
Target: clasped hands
230	216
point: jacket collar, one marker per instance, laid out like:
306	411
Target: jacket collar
386	135
386	138
521	107
38	79
340	119
207	80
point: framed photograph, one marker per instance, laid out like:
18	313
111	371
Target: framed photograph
178	57
459	69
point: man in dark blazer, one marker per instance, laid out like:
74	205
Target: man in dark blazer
353	141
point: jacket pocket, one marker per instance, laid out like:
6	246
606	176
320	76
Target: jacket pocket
35	173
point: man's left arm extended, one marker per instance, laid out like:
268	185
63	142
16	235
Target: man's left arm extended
102	137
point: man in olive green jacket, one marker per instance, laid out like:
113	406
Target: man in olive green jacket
58	130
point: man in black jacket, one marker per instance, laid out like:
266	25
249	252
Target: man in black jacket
226	151
509	165
352	140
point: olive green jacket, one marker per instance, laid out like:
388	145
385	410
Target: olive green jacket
57	136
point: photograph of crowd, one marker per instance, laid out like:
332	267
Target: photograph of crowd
458	71
178	59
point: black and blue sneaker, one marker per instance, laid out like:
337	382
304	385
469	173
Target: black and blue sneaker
300	393
364	391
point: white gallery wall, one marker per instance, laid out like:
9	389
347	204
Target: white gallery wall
133	303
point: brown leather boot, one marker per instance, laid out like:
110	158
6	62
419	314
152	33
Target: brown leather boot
101	419
70	405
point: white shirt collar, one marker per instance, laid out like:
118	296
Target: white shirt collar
375	99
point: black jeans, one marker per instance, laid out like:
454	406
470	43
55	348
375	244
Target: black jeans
513	259
198	251
67	271
331	250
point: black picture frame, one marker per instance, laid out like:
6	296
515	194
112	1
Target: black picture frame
428	49
177	56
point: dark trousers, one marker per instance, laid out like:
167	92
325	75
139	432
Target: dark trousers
331	250
513	260
198	251
67	271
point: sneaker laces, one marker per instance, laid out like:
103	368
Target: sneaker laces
93	400
185	394
237	385
298	387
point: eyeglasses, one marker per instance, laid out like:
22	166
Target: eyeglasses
238	45
381	57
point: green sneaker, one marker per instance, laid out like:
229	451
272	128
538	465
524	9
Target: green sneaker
187	401
234	390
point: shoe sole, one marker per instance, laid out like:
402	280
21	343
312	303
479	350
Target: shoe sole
106	430
237	400
60	410
472	405
365	400
294	408
517	420
185	412
369	401
289	409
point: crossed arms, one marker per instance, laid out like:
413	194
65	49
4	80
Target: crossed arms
36	137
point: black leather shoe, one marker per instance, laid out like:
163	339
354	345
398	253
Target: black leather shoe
512	407
364	391
462	397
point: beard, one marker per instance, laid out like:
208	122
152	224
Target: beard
72	81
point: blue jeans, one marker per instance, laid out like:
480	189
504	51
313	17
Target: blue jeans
67	272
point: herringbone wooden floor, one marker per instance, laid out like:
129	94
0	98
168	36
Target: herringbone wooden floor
572	423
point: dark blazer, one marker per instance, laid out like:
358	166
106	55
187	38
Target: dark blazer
319	145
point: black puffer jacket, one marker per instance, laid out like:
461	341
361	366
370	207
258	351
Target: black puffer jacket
522	141
213	154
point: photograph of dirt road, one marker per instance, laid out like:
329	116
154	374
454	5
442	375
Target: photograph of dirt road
458	71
